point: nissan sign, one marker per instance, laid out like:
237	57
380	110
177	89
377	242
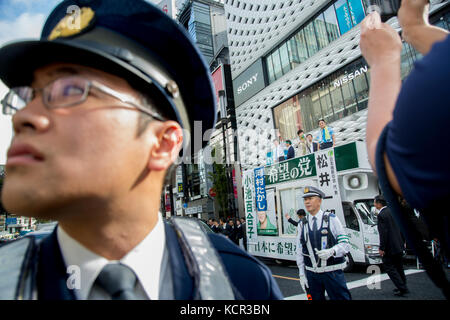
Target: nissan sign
249	83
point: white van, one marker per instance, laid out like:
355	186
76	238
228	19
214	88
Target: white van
343	173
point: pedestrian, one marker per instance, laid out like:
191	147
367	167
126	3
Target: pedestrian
290	150
301	214
326	135
239	234
311	145
84	100
244	229
230	231
278	151
302	149
391	247
321	248
215	226
404	165
222	226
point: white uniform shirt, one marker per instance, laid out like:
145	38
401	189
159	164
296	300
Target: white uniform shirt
147	260
336	229
278	152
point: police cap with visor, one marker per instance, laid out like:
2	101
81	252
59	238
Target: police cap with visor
134	40
309	191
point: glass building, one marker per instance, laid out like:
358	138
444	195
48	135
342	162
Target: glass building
338	95
317	33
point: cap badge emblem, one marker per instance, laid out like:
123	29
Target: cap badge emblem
306	190
73	23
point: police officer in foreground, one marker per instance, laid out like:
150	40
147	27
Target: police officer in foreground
321	248
101	105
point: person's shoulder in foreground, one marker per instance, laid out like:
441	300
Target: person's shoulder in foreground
252	279
421	178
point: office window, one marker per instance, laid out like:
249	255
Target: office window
293	52
321	31
306	108
310	37
317	109
331	24
270	72
361	85
277	64
337	100
301	45
348	92
325	101
288	118
285	63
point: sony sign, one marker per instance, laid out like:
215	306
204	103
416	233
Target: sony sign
350	76
249	83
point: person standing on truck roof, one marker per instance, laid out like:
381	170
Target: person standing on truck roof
321	248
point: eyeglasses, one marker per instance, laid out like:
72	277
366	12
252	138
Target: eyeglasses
64	93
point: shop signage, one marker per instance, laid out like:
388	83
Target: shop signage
249	82
350	76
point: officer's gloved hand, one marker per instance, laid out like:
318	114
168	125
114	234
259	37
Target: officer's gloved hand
303	281
325	254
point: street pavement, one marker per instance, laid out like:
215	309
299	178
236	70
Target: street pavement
363	284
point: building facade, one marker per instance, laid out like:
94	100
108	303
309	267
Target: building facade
295	62
195	196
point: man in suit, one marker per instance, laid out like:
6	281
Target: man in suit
84	100
310	144
290	150
391	246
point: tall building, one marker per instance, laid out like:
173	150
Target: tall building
206	23
294	62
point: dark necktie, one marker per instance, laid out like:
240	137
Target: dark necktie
118	280
314	230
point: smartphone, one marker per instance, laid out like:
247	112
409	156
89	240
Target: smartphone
386	8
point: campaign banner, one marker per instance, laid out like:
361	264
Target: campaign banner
249	205
260	189
289	170
327	179
267	220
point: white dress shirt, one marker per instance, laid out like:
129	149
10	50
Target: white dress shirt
336	229
146	260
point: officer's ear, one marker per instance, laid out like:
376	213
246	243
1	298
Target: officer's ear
168	143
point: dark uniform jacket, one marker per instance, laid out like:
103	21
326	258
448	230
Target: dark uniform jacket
249	278
391	241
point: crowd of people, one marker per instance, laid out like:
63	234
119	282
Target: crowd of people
233	229
303	144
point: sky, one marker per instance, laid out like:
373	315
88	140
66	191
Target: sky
19	19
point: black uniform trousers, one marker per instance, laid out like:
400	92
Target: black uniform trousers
332	282
393	265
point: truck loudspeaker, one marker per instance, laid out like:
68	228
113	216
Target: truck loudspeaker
356	181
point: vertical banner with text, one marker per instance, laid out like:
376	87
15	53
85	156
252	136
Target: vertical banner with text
250	208
327	179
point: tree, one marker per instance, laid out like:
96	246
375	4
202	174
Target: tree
219	180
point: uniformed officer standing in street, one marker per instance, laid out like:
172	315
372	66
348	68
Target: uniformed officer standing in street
321	248
101	105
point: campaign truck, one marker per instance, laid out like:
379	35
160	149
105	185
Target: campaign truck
343	173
